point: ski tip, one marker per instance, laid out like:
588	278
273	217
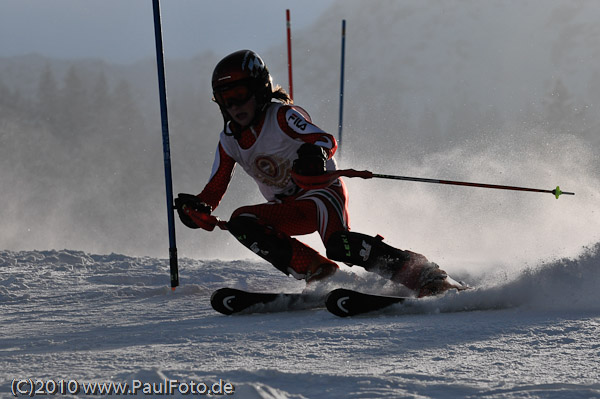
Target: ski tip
336	302
221	301
343	302
231	301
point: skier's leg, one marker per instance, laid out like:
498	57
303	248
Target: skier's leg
282	251
323	211
405	267
267	229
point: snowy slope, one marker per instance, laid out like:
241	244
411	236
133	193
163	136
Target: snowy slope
101	318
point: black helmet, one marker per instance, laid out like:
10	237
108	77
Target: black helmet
242	68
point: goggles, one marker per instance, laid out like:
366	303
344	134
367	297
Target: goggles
236	95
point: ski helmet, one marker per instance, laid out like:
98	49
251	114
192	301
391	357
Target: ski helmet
244	69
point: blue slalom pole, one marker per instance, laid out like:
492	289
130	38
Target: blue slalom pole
162	91
342	87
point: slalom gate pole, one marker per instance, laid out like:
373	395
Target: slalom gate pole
340	123
365	174
289	49
162	89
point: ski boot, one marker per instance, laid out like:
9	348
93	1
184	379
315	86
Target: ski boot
408	268
420	275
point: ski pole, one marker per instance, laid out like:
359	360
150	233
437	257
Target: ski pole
557	191
313	182
316	182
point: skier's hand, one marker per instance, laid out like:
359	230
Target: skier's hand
194	213
311	160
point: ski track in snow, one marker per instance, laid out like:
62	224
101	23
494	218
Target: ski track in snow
102	318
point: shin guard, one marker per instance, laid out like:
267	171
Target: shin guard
404	267
263	241
285	253
366	251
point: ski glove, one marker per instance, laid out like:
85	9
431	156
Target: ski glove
194	213
311	160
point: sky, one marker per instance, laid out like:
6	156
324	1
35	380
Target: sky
123	32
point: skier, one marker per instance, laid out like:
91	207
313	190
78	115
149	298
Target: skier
277	144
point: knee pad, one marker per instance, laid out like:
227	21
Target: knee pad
263	240
366	251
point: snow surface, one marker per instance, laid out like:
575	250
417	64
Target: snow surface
102	318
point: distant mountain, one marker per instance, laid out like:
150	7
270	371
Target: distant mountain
427	71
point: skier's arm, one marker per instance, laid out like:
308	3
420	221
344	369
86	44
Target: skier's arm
222	171
296	123
194	210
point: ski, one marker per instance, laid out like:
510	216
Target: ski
233	301
343	302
